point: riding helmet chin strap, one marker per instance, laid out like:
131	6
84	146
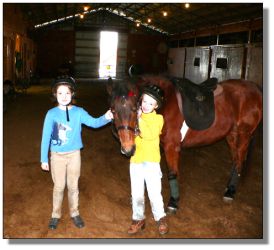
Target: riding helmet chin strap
67	113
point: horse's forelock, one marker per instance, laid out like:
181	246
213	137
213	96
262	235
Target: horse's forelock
119	90
122	89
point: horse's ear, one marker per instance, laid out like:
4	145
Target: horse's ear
109	85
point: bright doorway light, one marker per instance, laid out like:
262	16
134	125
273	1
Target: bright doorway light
108	54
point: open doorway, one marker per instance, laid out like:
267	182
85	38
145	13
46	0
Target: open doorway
108	54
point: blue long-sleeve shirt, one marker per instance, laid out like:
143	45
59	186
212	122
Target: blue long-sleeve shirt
59	135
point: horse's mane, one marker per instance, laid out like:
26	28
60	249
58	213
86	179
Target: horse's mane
163	81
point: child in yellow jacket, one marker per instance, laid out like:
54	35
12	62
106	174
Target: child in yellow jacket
145	163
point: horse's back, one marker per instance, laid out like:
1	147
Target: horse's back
245	98
244	92
239	86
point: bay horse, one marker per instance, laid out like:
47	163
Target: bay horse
238	112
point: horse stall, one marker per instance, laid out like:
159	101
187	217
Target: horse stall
227	62
176	62
254	64
222	62
104	184
197	64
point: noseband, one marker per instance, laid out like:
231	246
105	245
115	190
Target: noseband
115	130
126	127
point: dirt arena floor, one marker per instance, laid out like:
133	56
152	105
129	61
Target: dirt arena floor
104	182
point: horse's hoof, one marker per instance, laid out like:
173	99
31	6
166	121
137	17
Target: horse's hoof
171	210
227	199
229	195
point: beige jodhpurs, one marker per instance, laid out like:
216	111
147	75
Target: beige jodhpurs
65	169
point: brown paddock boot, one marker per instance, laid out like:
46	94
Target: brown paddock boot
136	226
162	225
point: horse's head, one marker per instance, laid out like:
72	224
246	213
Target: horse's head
123	104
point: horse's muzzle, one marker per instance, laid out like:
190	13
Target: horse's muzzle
128	152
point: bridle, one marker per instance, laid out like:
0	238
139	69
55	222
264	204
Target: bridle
115	129
126	127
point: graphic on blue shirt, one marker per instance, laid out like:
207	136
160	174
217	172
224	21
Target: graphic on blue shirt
59	134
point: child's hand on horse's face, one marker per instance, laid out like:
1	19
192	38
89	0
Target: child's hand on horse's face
45	166
109	115
139	112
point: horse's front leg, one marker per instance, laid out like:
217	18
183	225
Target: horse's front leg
172	153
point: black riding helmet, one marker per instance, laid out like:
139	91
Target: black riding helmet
156	93
64	80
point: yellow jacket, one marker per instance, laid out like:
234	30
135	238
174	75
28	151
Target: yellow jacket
148	142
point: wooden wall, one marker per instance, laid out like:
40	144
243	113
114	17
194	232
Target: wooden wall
57	46
54	48
148	51
16	42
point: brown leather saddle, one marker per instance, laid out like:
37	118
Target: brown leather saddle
198	102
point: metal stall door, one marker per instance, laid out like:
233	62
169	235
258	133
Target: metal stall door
176	62
87	54
227	62
197	64
254	65
121	67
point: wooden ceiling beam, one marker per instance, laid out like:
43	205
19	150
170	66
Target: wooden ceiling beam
222	29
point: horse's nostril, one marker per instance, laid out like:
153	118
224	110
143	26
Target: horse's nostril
128	153
132	151
123	151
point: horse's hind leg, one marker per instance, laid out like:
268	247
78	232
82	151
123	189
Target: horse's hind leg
231	186
238	142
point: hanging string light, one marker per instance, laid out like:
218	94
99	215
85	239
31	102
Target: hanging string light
164	13
149	20
186	5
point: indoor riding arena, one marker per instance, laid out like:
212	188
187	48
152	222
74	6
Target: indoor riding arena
92	42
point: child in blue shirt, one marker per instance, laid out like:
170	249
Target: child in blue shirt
62	137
